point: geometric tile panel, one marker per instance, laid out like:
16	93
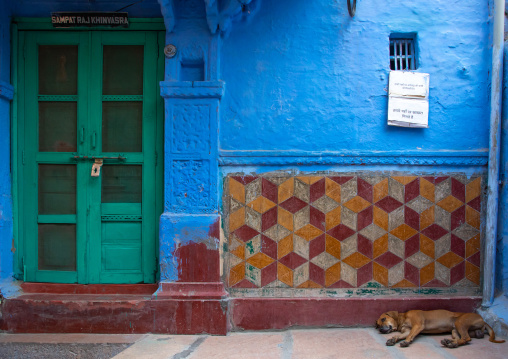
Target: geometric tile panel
350	231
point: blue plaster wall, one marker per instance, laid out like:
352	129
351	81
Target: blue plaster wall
303	75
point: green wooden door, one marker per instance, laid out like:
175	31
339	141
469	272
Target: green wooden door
88	97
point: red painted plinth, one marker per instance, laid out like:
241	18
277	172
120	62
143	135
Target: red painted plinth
282	313
177	290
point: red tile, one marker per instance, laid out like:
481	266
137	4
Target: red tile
268	274
458	217
476	203
412	218
365	190
364	274
412	274
244	284
341	179
269	190
317	190
434	232
317	246
435	283
293	204
475	259
269	247
292	260
412	246
341	284
458	246
316	274
365	218
244	179
435	180
388	260
246	233
388	204
341	232
364	246
269	219
317	218
458	190
457	273
412	190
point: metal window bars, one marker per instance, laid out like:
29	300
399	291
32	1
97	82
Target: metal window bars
402	54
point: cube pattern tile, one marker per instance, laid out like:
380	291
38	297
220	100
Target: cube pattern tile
351	231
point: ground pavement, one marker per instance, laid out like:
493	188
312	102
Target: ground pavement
347	343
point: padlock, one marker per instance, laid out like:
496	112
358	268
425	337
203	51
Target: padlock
96	167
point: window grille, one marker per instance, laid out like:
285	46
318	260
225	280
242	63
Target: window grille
402	54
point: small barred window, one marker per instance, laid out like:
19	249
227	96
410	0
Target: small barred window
402	54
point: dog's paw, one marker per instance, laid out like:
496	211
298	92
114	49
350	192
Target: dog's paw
404	344
391	342
451	344
445	342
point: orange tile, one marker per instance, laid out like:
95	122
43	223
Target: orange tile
450	203
473	273
473	217
380	274
236	274
404	284
450	260
404	232
332	190
285	246
309	179
332	218
309	284
261	204
332	274
472	246
380	246
308	232
285	218
404	180
380	190
427	273
357	204
286	190
473	189
427	217
260	260
356	260
237	190
427	189
380	218
332	246
427	246
284	274
239	252
236	219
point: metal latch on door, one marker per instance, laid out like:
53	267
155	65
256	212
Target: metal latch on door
96	167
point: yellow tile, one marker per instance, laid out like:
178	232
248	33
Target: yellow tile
473	189
236	274
237	219
472	246
450	203
284	274
285	246
357	204
309	284
332	274
404	284
473	273
427	273
450	260
380	274
309	179
427	246
380	246
239	252
356	260
261	204
404	180
332	190
332	246
260	260
286	190
473	217
237	190
380	218
404	232
427	189
332	218
380	190
308	232
427	217
285	218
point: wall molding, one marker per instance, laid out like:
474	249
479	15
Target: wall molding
6	91
310	158
192	89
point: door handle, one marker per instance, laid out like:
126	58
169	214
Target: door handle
94	139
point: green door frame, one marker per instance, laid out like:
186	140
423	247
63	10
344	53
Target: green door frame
24	257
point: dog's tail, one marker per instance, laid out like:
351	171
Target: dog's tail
492	335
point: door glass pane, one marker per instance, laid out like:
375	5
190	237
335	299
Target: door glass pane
122	126
57	126
121	184
57	189
58	69
122	70
57	247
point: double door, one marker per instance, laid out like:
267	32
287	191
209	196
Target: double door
89	177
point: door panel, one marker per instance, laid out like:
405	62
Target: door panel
78	227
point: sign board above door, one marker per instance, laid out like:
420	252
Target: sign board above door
89	19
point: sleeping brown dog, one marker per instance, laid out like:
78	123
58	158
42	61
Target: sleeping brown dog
463	326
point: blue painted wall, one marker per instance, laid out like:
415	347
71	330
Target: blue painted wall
303	75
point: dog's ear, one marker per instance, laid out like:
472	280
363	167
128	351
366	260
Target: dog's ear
394	314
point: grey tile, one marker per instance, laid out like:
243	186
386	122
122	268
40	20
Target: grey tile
324	260
442	273
465	232
349	246
348	190
301	218
348	274
301	274
253	190
372	232
348	218
419	204
443	190
302	190
277	232
396	246
419	260
442	245
396	190
253	219
325	204
396	218
300	246
396	274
